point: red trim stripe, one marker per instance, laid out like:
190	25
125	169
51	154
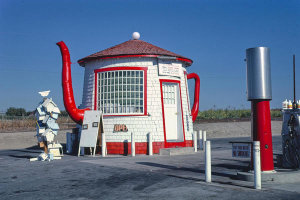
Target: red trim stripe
186	88
124	148
189	61
96	90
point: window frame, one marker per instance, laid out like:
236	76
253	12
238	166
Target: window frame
123	68
187	92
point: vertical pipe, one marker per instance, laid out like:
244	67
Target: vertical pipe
257	169
103	145
150	145
132	145
195	140
294	76
207	162
203	139
199	137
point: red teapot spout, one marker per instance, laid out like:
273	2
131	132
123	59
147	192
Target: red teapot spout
69	102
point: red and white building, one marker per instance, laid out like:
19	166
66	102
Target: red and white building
140	88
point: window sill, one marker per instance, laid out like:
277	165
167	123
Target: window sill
128	115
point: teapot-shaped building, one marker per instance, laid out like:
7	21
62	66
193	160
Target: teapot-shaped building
140	88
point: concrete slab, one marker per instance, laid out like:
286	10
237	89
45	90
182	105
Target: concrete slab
278	176
176	151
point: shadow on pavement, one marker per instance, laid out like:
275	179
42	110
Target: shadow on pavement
231	181
15	156
232	166
25	151
185	169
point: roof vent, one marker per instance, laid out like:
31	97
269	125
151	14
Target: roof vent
136	35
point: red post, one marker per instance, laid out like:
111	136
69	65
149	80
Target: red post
261	131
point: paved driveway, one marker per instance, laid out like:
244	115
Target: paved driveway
140	177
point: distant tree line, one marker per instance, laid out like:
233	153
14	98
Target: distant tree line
12	111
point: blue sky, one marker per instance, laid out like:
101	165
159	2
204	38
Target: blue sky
214	34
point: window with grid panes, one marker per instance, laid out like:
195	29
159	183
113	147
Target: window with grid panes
121	92
169	93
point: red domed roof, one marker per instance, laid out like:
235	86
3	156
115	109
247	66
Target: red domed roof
134	48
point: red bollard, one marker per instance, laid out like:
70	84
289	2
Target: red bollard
261	131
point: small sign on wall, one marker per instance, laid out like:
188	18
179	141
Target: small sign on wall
241	150
169	69
120	128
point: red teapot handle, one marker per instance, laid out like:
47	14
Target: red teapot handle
195	108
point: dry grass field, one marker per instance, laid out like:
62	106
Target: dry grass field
14	124
28	123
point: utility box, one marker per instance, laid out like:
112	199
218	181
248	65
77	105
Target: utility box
72	142
258	74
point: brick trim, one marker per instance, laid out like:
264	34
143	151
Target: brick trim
124	148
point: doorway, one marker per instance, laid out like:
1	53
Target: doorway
172	113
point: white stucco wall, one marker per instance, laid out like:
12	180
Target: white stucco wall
140	125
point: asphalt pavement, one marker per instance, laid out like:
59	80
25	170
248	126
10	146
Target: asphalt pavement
140	177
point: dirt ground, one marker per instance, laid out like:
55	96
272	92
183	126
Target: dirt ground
20	140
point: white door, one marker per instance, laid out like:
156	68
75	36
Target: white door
172	112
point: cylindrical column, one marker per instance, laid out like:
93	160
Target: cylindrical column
257	169
199	137
258	74
195	140
150	145
132	145
259	92
261	131
207	162
103	149
203	139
